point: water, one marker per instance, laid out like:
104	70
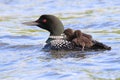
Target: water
21	55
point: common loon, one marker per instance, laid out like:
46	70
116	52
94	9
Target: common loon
58	40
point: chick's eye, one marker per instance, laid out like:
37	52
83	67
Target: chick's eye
44	20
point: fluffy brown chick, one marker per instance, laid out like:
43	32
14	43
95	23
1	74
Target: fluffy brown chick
69	34
81	40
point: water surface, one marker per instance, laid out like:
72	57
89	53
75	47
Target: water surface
21	55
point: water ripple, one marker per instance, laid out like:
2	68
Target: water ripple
21	54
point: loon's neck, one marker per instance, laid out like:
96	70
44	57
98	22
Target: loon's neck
56	33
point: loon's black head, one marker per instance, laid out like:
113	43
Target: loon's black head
50	23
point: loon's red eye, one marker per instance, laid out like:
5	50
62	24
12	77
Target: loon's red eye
44	20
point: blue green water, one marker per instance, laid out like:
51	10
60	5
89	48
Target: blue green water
21	55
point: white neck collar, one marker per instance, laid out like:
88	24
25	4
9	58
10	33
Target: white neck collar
57	37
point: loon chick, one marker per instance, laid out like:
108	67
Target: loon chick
69	34
56	39
81	40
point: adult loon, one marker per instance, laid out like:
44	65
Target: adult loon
57	39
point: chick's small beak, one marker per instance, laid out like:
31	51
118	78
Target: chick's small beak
32	23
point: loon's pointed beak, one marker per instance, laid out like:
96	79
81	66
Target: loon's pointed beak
32	23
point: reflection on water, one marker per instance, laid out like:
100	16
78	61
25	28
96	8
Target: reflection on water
21	55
